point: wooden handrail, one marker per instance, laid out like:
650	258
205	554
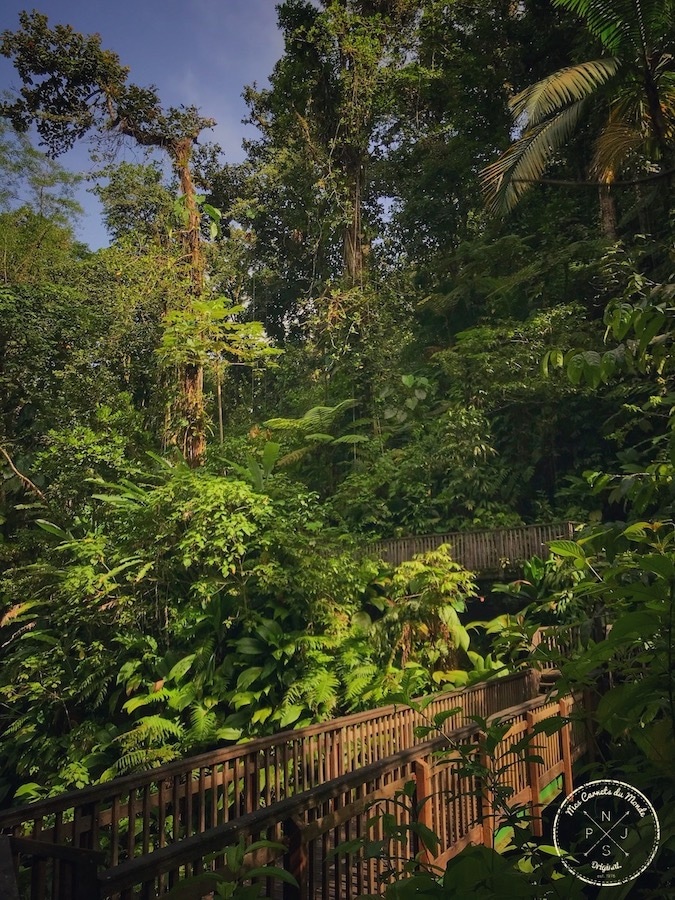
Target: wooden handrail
325	810
365	736
286	771
487	551
135	871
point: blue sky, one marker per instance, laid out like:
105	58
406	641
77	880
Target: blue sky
200	52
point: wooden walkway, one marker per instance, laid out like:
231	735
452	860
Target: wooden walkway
486	553
313	788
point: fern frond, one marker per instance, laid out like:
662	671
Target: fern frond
203	724
294	456
359	680
16	611
149	730
138	761
317	419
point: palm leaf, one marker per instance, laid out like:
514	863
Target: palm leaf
505	181
617	141
605	19
619	24
550	95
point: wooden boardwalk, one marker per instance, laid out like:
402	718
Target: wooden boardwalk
312	788
490	552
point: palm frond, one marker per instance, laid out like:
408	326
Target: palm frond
610	21
550	95
619	24
617	141
505	181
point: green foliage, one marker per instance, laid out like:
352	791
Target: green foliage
409	630
443	478
33	185
135	201
231	880
636	41
145	615
196	610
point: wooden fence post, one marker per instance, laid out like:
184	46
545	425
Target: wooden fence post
565	738
295	860
533	778
86	885
487	812
425	812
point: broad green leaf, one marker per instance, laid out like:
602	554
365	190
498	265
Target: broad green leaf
54	529
272	872
291	714
247	677
250	646
181	668
228	734
659	565
568	549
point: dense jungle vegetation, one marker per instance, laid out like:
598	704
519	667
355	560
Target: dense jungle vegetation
437	296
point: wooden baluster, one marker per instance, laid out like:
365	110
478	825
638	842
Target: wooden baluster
131	826
146	818
423	800
161	812
565	740
533	778
201	812
286	763
175	802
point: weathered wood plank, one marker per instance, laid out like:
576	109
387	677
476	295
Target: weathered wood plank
486	552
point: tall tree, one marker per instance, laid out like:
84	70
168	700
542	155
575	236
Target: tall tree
636	75
330	92
72	86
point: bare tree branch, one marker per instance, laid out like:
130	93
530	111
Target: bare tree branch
25	481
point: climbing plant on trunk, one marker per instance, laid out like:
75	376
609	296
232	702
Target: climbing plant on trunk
71	87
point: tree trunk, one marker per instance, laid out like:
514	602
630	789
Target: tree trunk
192	232
607	212
353	254
191	406
191	435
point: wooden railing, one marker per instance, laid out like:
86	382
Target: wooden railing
449	798
139	814
152	829
484	552
52	870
